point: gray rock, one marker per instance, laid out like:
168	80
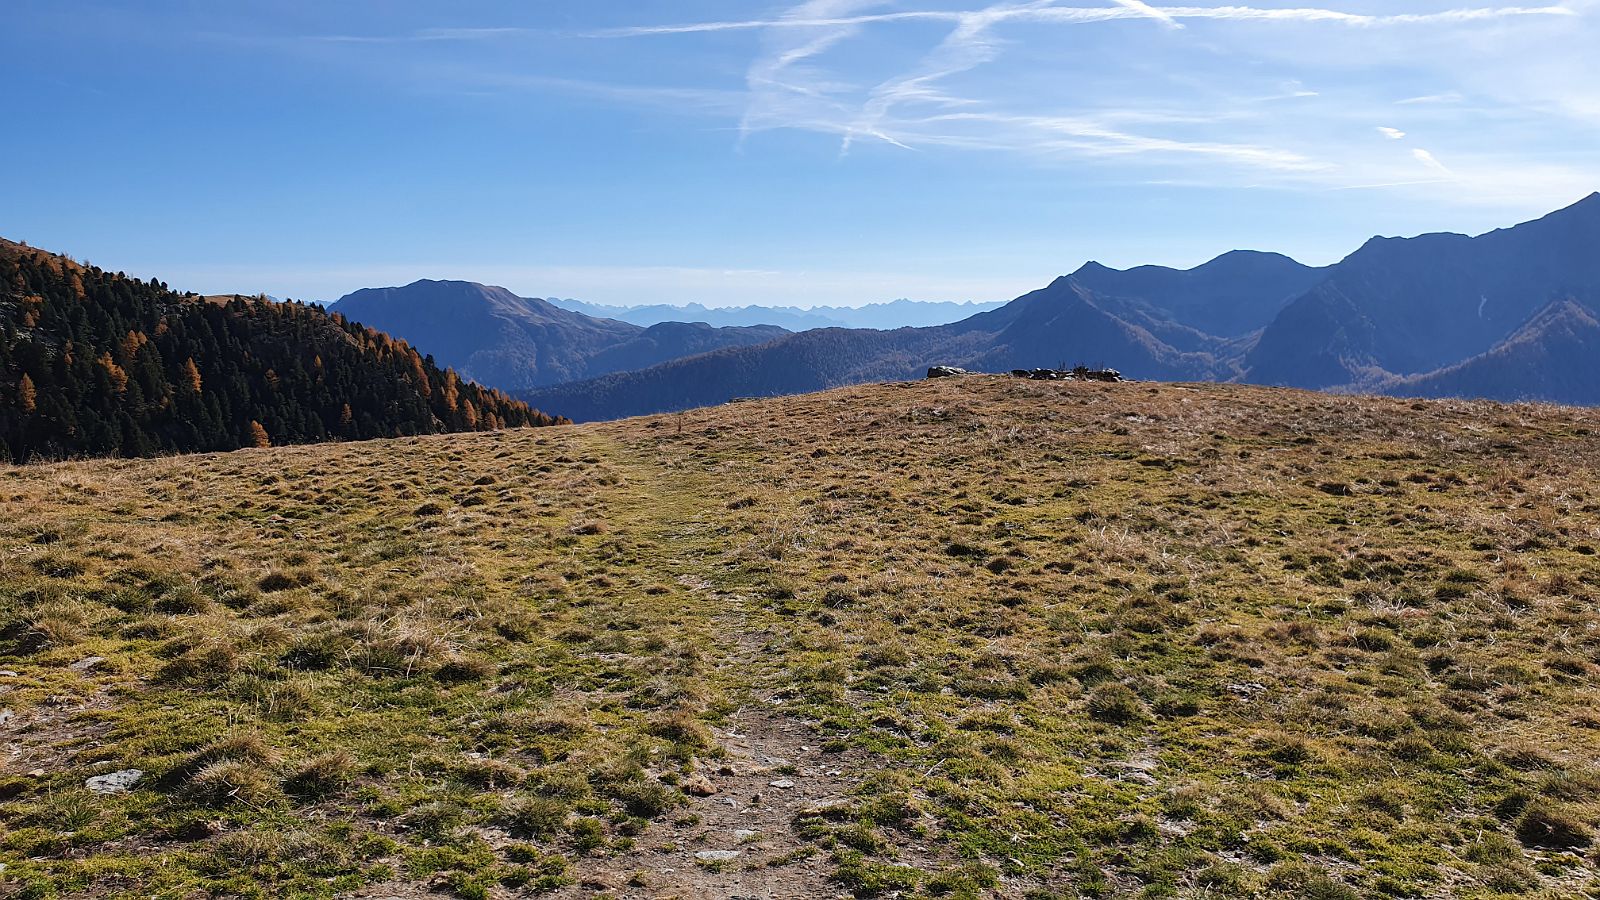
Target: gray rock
947	372
718	855
87	663
782	783
114	782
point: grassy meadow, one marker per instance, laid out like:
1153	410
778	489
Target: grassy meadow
970	638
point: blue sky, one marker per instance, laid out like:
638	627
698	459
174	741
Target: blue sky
830	151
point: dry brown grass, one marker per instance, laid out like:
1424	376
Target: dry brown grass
1109	640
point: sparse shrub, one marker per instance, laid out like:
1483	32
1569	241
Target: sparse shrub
869	879
970	880
273	582
231	781
58	565
315	650
644	798
394	649
1581	786
211	662
538	817
681	728
322	775
1231	879
1115	703
1544	824
1525	757
1287	749
1303	882
435	819
588	834
963	550
183	600
1177	705
884	654
462	669
1187	802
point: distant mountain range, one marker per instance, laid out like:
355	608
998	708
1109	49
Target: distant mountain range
1405	308
1507	315
895	314
1139	321
95	363
492	336
1554	357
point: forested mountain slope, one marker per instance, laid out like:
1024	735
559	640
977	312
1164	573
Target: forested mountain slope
97	363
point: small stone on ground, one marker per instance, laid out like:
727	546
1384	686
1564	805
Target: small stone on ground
114	782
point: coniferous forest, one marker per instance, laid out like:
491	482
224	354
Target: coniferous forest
94	363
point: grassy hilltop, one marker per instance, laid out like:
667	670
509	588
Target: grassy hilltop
968	638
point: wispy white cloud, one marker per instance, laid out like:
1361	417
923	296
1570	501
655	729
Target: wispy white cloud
1162	123
783	89
934	103
1088	137
1448	97
1127	9
1139	6
969	45
1431	161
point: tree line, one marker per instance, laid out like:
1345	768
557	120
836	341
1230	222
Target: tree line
94	363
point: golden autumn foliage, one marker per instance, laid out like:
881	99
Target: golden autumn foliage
119	377
191	376
131	344
27	394
258	436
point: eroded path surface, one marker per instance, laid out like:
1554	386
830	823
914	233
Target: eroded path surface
739	842
738	837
